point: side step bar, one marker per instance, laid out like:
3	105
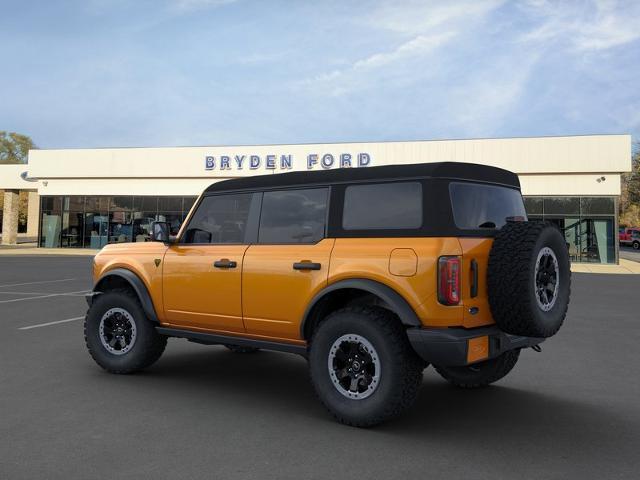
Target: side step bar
215	339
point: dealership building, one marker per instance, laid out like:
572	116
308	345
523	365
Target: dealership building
86	198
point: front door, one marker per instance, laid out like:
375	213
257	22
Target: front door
288	265
202	273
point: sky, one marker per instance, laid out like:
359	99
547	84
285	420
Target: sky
108	73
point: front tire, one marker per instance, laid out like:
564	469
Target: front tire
363	368
480	374
118	334
636	245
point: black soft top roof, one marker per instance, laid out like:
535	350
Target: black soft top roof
452	170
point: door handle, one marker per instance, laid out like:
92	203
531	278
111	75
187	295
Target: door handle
306	265
225	263
474	278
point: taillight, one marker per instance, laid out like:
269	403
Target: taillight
449	280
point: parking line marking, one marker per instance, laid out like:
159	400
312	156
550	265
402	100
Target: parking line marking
22	293
51	323
34	283
68	294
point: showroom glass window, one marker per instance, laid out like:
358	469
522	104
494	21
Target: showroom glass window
587	223
219	219
93	221
293	216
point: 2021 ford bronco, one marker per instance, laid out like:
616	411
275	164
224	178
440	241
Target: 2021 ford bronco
371	274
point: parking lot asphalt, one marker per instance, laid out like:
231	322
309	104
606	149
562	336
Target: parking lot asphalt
571	411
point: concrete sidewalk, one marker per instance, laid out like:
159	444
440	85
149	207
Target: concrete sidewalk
626	267
21	250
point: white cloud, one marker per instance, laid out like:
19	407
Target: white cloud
339	82
418	29
419	45
416	17
480	105
596	26
192	5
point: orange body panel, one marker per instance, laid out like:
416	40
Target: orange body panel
197	294
478	249
140	259
369	258
265	297
274	295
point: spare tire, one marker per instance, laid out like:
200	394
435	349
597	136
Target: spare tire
529	279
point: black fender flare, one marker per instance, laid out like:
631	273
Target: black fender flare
396	302
138	286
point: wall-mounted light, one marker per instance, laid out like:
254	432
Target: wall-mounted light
25	176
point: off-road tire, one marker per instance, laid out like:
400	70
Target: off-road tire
400	367
240	349
149	344
511	279
480	374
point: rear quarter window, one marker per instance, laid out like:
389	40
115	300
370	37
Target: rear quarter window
477	206
383	206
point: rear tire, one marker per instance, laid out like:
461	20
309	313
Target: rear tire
480	374
636	245
119	336
362	366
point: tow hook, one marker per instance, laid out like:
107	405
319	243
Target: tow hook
536	348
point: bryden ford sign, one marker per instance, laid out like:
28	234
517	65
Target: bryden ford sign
286	162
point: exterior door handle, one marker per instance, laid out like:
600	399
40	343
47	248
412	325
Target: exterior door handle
306	265
474	278
225	263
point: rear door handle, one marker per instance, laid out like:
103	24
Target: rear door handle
306	266
474	278
225	263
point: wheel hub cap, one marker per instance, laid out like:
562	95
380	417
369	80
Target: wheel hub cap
354	366
546	279
117	331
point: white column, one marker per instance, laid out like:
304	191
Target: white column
33	214
10	217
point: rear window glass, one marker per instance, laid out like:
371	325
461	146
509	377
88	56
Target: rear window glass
477	206
387	206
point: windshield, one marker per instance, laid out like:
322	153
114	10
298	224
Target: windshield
477	206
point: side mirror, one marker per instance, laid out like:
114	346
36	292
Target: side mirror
160	232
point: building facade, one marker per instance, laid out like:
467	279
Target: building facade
91	197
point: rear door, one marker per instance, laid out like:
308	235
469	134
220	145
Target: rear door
289	264
202	274
479	208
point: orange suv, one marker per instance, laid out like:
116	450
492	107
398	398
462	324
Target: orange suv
371	274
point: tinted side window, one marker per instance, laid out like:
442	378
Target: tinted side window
219	219
383	206
477	206
293	216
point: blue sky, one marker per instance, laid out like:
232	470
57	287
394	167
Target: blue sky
99	73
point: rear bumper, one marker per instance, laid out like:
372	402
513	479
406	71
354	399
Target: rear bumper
461	346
